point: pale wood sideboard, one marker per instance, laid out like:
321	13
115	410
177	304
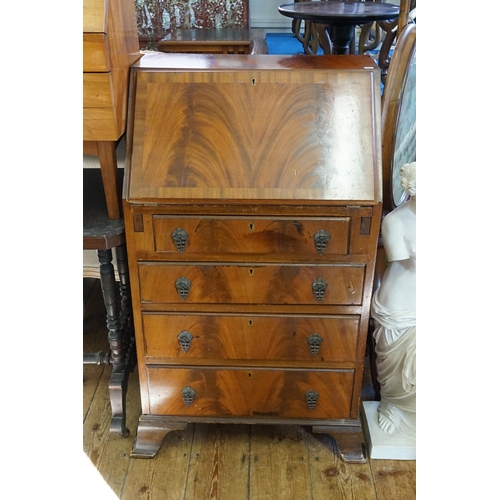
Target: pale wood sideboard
110	47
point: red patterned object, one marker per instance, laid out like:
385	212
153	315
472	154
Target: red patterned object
155	18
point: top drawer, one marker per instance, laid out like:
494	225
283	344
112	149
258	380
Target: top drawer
289	237
95	53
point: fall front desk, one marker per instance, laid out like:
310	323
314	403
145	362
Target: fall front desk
252	207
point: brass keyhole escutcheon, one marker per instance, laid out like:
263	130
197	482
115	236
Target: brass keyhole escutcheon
183	285
188	394
311	398
185	338
319	287
180	238
314	342
321	239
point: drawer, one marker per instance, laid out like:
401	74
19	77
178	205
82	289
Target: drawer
250	337
95	53
250	392
100	124
251	284
228	235
97	90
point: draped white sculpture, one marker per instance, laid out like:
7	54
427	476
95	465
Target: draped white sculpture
394	312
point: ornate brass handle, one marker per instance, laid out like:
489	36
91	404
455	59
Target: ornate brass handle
311	399
321	239
319	287
185	339
180	237
188	394
314	341
183	285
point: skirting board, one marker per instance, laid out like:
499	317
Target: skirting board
382	445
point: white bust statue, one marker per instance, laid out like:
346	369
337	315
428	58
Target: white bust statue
394	312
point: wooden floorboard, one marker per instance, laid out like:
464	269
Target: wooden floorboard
222	462
331	477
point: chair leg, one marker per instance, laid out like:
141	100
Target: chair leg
118	381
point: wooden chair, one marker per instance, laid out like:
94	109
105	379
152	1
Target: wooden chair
107	237
398	141
386	32
399	114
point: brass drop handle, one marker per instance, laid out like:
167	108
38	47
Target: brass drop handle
188	394
321	239
319	287
314	342
183	285
185	338
180	238
311	399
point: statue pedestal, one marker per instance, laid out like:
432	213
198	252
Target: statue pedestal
382	445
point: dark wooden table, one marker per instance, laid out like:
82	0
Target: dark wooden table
341	17
215	41
102	234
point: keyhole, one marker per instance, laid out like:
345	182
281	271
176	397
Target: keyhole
253	81
250	322
249	375
251	227
251	272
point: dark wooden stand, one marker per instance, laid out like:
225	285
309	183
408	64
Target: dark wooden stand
103	234
215	41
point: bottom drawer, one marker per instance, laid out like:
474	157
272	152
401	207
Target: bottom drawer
250	392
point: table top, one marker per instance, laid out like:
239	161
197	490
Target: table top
212	35
340	12
99	232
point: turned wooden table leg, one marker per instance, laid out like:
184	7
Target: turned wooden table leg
350	441
150	434
341	37
118	382
126	317
109	166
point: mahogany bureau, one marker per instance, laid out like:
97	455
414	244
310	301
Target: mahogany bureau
252	206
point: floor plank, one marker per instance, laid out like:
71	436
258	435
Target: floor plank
95	338
279	463
219	466
394	479
331	477
163	477
110	453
